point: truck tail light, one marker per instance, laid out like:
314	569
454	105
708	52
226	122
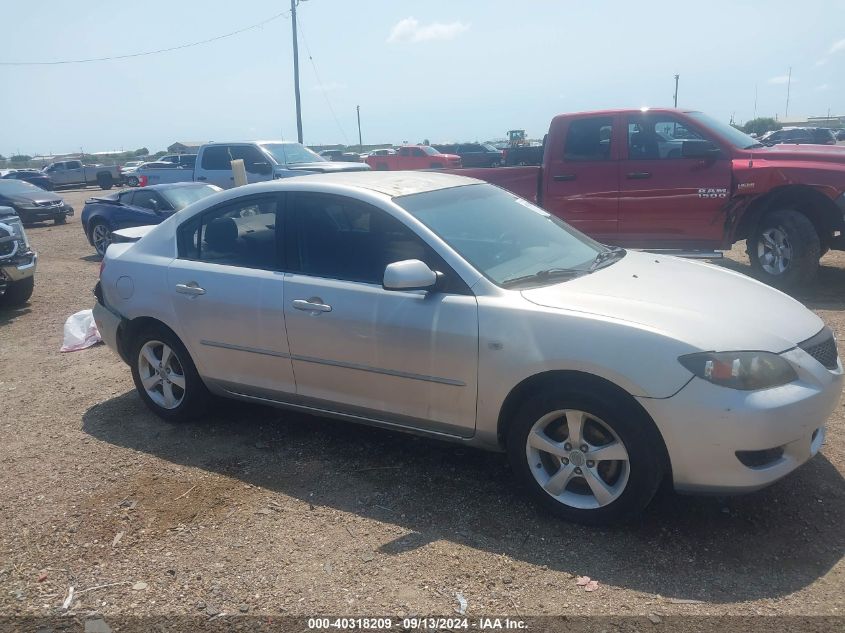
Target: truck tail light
142	181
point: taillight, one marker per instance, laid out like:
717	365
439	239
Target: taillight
142	181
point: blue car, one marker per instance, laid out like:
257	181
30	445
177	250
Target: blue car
137	207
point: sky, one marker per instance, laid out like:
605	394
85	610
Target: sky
441	70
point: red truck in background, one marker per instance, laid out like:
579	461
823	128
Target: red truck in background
414	157
681	182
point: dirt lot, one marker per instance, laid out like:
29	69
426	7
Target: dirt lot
265	511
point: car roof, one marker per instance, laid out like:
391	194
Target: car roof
389	183
171	185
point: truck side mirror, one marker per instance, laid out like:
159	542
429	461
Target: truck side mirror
262	168
699	149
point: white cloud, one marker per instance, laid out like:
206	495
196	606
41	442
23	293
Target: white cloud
781	79
410	30
837	46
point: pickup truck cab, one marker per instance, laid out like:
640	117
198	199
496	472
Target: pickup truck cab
263	160
72	172
414	157
679	181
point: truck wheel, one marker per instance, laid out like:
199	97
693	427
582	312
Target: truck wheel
132	181
60	219
17	292
436	166
584	456
105	181
785	249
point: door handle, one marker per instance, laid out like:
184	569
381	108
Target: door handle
564	177
638	175
201	178
314	304
191	288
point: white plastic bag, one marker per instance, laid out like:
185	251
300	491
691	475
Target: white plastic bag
80	331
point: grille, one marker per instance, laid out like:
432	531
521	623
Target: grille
822	347
49	203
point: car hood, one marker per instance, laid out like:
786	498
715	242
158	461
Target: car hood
327	167
32	196
814	153
702	305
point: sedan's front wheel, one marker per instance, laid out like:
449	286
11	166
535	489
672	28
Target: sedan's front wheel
165	376
589	459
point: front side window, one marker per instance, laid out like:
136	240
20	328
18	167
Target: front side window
417	152
242	233
501	235
657	137
291	153
588	139
149	200
343	238
251	156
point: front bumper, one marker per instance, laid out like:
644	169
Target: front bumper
37	214
21	267
704	426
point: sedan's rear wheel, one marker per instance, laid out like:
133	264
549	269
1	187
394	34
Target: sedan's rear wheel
165	376
587	458
101	238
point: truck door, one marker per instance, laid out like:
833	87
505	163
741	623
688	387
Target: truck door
667	200
581	183
75	172
215	166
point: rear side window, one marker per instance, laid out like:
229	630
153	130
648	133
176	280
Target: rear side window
242	233
188	161
216	157
588	139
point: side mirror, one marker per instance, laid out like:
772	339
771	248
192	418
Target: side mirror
154	205
411	274
699	149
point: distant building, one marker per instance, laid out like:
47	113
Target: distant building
815	121
185	147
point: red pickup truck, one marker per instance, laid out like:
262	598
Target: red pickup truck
680	181
414	157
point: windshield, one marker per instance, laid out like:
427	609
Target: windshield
489	147
503	236
429	150
734	136
181	197
291	153
18	186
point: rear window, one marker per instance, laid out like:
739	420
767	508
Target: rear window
181	197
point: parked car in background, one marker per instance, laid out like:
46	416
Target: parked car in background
32	176
840	135
340	155
523	155
131	164
180	160
807	135
445	306
133	176
137	207
72	172
263	160
383	151
414	157
472	154
606	174
33	204
17	260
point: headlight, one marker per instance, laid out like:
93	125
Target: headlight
741	370
12	237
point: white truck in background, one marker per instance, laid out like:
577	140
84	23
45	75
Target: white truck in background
65	173
263	160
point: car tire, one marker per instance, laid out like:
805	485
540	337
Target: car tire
105	181
60	219
165	375
785	249
132	181
593	492
17	292
100	237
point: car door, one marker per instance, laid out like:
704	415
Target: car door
215	166
408	358
582	175
58	173
472	155
668	200
74	172
256	163
227	290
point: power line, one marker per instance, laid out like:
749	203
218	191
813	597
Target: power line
320	82
284	14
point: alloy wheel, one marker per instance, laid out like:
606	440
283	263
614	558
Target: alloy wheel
774	251
162	374
101	236
577	459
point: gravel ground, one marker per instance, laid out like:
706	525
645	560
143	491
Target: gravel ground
263	511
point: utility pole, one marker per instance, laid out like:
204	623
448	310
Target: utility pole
755	102
676	89
293	4
360	142
788	86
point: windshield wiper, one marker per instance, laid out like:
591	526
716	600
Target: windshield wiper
607	257
543	275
